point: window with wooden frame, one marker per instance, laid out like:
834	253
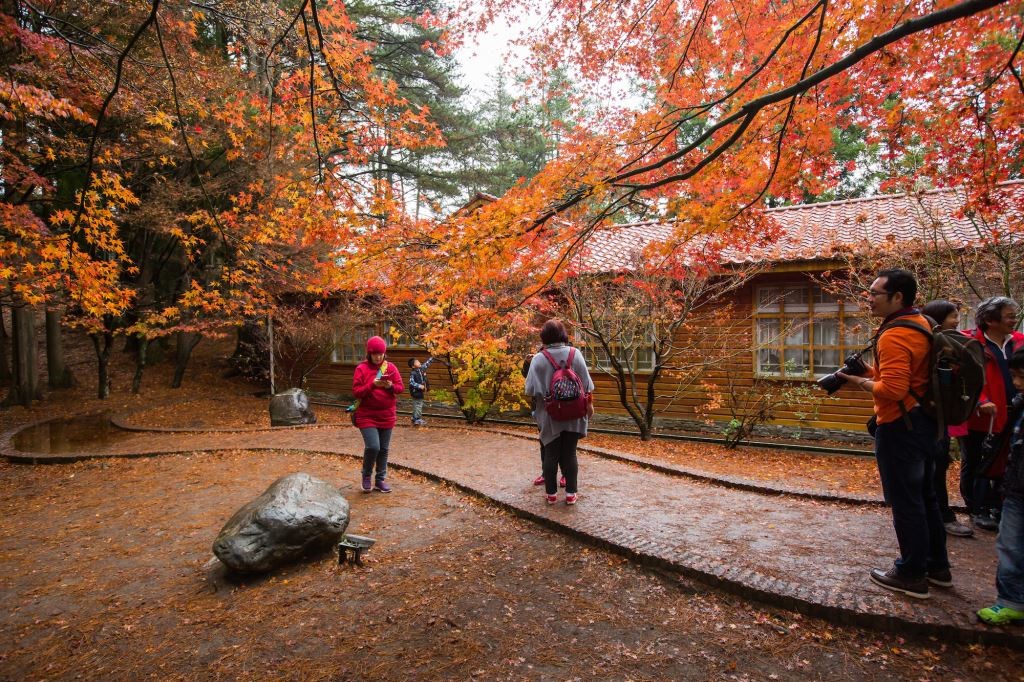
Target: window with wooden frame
642	359
802	331
350	344
402	337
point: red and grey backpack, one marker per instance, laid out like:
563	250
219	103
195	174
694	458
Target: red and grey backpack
566	398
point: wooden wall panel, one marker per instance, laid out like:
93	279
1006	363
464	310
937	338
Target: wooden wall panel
849	411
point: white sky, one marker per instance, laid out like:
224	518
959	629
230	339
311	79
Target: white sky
492	50
481	59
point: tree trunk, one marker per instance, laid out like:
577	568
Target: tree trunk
5	352
250	356
59	375
142	347
647	426
25	388
103	343
270	358
187	341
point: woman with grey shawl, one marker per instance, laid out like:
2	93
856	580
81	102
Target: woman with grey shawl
558	438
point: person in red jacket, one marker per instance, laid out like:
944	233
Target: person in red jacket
996	320
375	384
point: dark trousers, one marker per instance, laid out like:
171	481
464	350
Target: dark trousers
977	491
561	452
906	464
376	443
942	462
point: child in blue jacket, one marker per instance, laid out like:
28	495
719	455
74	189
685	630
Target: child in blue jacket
418	386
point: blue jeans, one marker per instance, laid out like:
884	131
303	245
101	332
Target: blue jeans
417	409
1010	547
375	451
906	464
561	453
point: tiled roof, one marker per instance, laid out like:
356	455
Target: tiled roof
616	248
816	231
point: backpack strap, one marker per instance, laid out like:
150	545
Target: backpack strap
554	363
907	324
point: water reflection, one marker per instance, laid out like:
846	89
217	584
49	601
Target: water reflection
82	433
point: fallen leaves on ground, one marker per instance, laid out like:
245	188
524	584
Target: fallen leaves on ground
106	570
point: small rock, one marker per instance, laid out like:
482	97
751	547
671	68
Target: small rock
291	408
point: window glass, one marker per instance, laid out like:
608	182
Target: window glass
768	298
632	354
767	331
335	345
856	331
797	361
401	338
797	331
826	361
768	361
826	331
822	297
645	359
795	300
802	331
352	343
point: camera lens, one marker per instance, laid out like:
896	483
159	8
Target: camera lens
831	383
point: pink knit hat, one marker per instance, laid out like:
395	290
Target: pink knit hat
375	344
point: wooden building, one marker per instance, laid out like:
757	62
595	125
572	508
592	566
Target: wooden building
786	326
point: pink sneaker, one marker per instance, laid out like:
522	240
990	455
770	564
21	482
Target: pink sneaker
570	498
539	480
552	498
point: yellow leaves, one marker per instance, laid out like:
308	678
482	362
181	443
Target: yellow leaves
160	119
189	242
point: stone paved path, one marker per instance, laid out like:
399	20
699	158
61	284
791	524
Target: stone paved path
805	554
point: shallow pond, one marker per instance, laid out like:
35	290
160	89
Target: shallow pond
82	433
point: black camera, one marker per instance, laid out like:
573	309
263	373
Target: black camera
852	366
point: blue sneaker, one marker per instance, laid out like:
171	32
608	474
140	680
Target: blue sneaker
367	484
383	487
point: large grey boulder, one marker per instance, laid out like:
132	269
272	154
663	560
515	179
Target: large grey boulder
297	514
291	408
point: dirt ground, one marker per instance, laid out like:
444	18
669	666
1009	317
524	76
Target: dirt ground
106	572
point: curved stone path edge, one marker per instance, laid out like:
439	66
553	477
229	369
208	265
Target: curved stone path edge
735	482
834	605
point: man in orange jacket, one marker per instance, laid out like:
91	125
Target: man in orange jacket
905	441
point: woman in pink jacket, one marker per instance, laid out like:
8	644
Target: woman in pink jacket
947	316
375	384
